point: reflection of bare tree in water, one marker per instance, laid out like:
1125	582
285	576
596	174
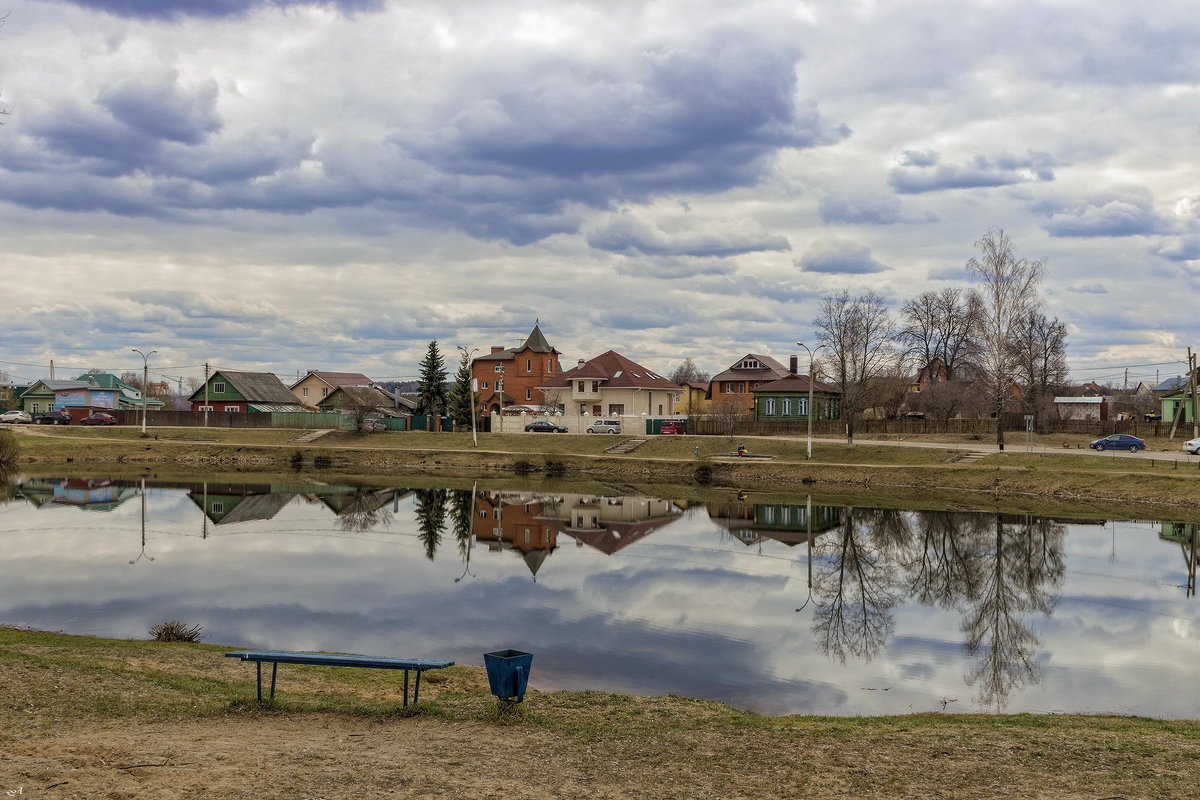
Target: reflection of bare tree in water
431	518
367	510
1020	573
944	569
856	584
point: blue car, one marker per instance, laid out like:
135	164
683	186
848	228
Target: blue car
1119	441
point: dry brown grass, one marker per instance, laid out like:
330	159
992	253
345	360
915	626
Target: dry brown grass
83	713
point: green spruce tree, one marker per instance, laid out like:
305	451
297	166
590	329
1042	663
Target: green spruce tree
431	399
461	396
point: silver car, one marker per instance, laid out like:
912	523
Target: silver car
14	417
604	426
1192	446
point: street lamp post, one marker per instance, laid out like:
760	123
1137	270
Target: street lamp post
145	381
467	353
810	395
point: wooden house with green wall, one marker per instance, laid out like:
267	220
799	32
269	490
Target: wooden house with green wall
244	392
786	400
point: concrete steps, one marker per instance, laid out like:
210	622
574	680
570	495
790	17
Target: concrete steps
626	446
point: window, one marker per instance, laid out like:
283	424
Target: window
232	408
496	512
483	385
529	394
218	507
527	536
616	409
770	407
498	368
727	388
36	408
549	365
219	388
786	409
581	387
324	391
304	392
529	365
750	363
802	407
204	408
595	386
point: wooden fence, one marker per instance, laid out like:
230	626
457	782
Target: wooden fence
232	419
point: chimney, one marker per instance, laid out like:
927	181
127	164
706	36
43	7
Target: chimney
792	363
496	348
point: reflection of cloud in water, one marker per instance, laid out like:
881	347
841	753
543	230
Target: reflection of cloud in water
682	608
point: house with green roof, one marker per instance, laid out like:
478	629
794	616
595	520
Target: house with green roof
128	397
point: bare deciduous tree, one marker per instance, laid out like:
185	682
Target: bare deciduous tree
1009	292
857	335
688	372
1039	352
942	325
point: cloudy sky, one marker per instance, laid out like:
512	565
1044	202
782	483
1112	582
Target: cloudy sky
304	184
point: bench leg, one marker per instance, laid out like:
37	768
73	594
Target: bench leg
406	688
258	670
417	690
274	669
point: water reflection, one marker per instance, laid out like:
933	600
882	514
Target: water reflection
923	603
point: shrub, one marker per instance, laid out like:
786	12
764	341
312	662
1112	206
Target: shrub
9	449
175	631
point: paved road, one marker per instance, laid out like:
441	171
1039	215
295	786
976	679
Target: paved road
1019	447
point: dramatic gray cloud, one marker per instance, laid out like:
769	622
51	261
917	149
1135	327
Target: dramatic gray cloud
166	9
1127	212
839	256
921	172
355	177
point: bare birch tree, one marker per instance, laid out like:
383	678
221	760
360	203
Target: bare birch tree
857	333
1009	292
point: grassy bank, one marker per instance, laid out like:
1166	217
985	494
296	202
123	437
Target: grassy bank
94	716
1069	477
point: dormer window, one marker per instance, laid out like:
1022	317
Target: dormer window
750	363
498	368
219	388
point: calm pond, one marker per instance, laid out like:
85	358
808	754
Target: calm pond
801	607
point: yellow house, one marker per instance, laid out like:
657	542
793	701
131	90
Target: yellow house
694	399
610	385
316	386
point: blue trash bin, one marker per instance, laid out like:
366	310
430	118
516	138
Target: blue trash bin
508	673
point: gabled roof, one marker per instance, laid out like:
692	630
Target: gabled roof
770	370
262	387
1172	384
535	343
59	386
368	396
795	383
336	378
106	380
617	372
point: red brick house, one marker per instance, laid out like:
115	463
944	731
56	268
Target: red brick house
515	375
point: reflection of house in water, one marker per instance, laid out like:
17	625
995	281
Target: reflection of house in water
751	523
609	523
89	494
508	521
1185	535
226	503
347	500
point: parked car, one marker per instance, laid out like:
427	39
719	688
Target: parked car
53	418
1192	446
1119	441
676	426
544	426
98	418
604	426
373	424
14	417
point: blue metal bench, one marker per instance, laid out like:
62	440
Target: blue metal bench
277	657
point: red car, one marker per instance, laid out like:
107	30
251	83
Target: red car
673	426
99	418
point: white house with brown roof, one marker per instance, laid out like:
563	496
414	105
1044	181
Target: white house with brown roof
316	385
611	385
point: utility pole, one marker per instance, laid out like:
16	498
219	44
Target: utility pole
52	369
206	394
1195	401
